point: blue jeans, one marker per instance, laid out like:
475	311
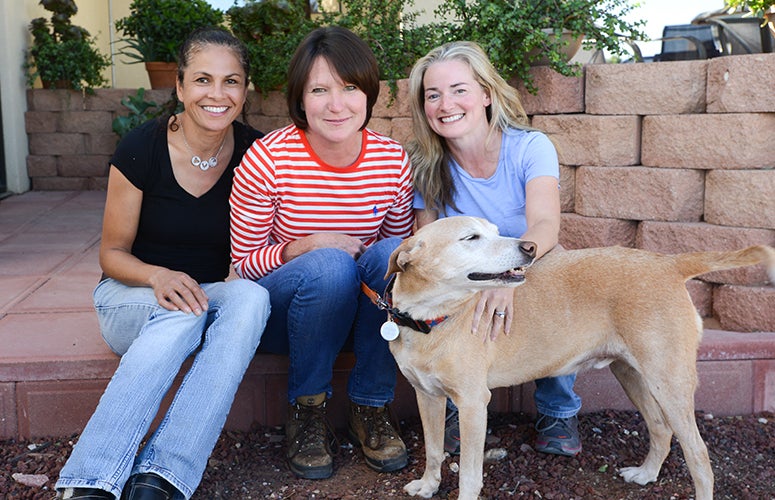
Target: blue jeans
554	396
153	344
316	305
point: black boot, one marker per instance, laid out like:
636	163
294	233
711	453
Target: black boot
87	494
147	486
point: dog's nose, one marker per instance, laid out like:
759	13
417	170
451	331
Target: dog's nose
528	248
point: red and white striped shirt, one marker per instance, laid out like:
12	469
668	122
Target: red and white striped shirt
282	192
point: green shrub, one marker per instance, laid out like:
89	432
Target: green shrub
140	111
392	33
63	55
755	7
271	30
517	34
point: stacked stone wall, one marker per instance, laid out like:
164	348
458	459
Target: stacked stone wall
668	157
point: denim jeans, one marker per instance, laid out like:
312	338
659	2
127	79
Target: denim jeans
554	396
316	305
153	344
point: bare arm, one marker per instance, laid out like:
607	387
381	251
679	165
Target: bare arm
173	289
542	211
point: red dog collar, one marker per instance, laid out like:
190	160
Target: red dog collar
394	314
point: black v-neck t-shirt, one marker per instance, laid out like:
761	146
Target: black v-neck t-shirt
177	230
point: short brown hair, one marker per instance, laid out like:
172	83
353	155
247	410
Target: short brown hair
348	55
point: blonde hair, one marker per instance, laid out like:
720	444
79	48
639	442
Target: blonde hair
428	151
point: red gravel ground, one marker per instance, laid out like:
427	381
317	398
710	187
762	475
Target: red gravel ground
250	465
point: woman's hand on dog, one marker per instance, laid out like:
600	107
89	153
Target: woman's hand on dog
496	305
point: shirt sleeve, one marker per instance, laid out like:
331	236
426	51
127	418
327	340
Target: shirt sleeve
400	217
252	215
139	153
540	157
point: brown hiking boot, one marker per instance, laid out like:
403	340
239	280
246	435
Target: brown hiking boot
370	428
309	452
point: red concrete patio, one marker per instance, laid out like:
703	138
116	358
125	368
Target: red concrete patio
54	364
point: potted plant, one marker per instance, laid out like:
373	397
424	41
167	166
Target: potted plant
518	34
63	55
154	29
764	9
271	30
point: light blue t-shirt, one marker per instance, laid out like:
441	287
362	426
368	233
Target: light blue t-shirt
524	155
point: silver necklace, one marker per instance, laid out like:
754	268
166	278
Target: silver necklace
196	160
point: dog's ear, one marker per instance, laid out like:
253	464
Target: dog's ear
402	256
393	265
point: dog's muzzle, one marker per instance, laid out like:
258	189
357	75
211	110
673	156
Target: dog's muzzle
515	275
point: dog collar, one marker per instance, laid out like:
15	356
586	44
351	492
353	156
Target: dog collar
398	317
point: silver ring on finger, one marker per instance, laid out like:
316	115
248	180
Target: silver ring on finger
500	314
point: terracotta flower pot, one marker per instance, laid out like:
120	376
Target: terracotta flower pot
56	84
572	45
162	74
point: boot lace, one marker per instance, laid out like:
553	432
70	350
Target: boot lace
314	430
379	429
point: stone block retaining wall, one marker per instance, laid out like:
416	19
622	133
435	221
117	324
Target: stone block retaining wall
669	157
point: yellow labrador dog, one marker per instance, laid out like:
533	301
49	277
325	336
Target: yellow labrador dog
624	307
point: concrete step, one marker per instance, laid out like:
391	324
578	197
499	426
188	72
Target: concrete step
51	383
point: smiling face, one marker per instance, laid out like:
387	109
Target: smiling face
454	102
214	87
335	109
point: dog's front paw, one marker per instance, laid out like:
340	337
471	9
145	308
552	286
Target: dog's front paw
421	488
640	475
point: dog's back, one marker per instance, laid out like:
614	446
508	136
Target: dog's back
599	296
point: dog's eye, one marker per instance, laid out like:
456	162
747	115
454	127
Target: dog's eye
471	237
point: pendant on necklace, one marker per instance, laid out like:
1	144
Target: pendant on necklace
204	164
196	161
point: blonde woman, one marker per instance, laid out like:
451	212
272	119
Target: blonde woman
474	154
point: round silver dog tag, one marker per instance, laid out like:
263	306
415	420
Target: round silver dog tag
389	331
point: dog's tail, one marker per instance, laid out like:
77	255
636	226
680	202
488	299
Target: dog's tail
693	264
